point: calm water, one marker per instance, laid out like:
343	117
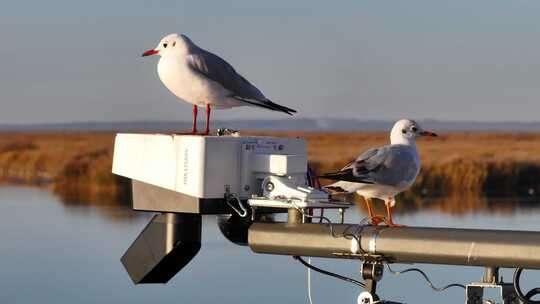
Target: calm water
55	252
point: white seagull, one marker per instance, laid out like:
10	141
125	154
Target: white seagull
385	171
204	79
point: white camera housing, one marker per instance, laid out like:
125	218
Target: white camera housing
190	173
203	166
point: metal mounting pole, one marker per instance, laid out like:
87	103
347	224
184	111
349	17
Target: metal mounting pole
294	216
341	215
372	273
468	247
491	275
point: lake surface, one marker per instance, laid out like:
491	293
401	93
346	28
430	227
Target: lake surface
54	251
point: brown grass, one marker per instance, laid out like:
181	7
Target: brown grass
491	163
60	160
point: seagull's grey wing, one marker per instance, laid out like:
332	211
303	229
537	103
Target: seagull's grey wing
359	169
213	67
388	165
370	161
399	168
220	71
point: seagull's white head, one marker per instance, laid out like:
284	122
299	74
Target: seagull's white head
406	131
173	44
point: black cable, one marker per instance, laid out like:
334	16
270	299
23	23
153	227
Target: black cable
335	275
345	234
533	292
438	289
526	299
313	181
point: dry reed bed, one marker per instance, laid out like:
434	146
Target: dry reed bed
491	163
72	163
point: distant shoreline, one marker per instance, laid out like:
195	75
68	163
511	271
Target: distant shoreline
299	124
486	163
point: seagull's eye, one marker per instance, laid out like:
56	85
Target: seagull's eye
165	45
404	131
174	43
414	129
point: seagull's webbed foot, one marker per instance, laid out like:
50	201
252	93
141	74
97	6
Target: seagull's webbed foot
392	224
190	133
186	133
389	220
376	220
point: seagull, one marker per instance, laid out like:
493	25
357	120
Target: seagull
385	171
204	79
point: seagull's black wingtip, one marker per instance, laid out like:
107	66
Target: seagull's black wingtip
267	104
329	175
278	107
346	176
335	189
289	112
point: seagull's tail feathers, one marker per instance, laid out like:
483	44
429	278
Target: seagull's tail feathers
267	104
342	187
335	189
346	175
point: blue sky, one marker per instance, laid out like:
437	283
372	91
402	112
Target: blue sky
67	61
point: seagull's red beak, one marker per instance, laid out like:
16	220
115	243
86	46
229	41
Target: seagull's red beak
427	133
150	53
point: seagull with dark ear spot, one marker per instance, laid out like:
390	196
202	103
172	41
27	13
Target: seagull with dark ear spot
205	80
383	172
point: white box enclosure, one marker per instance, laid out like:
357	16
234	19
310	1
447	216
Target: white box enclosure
185	173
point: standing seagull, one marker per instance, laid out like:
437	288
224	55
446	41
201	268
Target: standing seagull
383	172
204	79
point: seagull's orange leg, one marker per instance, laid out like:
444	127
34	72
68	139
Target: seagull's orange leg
207	130
194	126
389	220
374	219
